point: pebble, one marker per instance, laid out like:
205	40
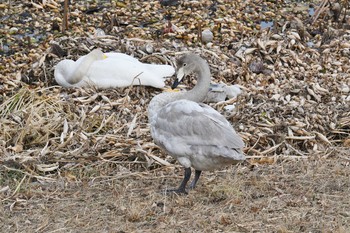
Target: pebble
207	36
13	30
345	88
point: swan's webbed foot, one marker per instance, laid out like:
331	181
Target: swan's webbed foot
177	191
182	187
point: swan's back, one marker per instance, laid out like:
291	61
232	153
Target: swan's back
115	71
155	70
196	135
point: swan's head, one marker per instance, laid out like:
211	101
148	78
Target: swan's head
186	65
68	72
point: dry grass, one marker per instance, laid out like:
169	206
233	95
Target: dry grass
82	160
295	196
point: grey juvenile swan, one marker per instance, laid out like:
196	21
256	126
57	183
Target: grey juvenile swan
192	132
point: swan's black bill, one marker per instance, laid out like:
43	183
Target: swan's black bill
175	84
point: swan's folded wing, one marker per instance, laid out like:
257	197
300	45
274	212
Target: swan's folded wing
191	124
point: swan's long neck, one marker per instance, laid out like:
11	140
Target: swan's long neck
81	70
197	94
200	90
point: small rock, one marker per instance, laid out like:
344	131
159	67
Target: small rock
99	32
169	2
256	67
148	48
276	97
310	44
57	50
209	45
335	10
345	88
207	36
13	30
229	107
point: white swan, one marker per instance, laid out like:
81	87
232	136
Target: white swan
193	133
110	70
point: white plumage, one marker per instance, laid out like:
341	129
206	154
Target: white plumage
110	70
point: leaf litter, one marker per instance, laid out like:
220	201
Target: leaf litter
293	115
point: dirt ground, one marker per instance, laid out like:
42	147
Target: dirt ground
301	195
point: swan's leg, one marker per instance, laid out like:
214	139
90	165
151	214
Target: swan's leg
182	187
196	177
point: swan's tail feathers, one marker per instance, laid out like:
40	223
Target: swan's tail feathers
163	70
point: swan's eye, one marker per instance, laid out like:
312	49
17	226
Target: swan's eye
185	64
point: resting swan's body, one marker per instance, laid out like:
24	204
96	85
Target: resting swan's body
220	92
193	133
110	70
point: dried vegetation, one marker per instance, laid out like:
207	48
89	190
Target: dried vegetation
295	105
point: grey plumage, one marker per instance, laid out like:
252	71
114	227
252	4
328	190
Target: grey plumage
193	133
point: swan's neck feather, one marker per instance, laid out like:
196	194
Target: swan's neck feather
197	94
200	90
81	69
